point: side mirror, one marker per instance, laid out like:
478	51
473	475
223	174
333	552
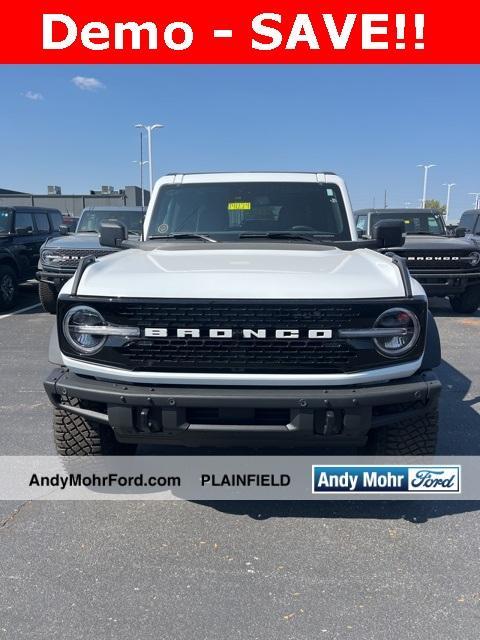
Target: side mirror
460	232
389	233
112	233
63	228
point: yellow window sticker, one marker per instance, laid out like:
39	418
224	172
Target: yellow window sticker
239	206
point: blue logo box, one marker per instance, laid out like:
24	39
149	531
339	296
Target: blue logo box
385	479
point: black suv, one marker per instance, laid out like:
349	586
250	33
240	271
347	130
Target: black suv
444	266
23	230
59	257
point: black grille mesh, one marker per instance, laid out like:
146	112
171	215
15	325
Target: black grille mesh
238	315
237	356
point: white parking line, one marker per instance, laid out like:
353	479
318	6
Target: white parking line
14	313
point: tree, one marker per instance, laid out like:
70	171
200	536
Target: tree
435	204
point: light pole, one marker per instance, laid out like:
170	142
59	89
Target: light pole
476	200
449	186
149	128
426	167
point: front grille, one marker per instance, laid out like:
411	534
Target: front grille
237	354
437	260
71	257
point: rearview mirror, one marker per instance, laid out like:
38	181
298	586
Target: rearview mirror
63	228
389	233
112	233
460	232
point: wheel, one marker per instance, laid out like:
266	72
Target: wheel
467	302
76	436
48	297
8	287
410	437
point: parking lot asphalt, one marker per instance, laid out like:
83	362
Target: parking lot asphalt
185	570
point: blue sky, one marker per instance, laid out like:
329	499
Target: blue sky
371	124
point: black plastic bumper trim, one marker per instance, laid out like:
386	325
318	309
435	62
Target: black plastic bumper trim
127	407
53	277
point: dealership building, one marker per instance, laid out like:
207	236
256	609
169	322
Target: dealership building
74	204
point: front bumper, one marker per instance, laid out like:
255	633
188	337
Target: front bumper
142	413
55	278
445	283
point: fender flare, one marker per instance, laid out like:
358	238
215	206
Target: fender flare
432	356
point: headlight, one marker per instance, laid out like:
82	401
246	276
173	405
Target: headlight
402	330
50	257
86	330
76	325
474	258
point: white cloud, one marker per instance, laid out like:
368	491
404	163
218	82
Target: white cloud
33	95
87	84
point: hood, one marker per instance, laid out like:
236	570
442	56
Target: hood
435	243
76	241
276	272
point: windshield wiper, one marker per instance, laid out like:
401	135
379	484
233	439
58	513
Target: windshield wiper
281	235
186	236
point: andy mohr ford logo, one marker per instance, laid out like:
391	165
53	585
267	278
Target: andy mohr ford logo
385	479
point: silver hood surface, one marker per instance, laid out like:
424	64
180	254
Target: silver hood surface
277	272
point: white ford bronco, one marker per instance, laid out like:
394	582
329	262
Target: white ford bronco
249	312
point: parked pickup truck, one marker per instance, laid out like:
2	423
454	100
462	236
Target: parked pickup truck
59	257
444	266
250	311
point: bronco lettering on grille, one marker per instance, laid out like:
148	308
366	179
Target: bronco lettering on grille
262	334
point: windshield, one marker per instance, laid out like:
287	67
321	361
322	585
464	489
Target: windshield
234	209
90	220
415	222
5	221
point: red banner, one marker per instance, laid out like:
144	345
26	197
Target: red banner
256	31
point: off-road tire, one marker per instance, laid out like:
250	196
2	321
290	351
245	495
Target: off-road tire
467	302
410	437
48	297
76	436
8	286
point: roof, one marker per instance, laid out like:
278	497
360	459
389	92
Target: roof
10	192
117	208
401	211
201	173
27	207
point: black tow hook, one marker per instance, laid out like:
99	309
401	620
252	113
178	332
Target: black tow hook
329	426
